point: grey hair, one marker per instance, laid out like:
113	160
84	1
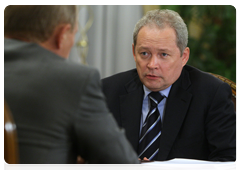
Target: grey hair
163	18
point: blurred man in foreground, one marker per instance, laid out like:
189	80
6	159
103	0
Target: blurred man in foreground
58	106
169	109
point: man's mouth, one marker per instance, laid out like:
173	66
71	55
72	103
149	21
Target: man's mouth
151	76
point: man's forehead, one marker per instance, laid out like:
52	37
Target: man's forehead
155	34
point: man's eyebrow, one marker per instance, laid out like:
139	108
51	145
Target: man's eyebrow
163	49
159	49
142	47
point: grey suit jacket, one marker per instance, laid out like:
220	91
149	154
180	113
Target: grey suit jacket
199	120
59	109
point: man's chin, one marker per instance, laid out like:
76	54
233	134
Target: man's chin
155	87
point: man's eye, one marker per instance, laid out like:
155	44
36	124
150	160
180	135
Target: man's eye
164	54
144	53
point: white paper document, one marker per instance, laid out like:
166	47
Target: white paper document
190	164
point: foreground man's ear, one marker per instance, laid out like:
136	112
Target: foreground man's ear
61	34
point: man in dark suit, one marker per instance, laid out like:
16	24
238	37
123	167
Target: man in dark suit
58	106
197	117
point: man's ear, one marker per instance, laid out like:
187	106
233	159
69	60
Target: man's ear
185	56
61	34
133	51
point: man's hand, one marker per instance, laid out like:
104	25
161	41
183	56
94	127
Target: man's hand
80	163
144	159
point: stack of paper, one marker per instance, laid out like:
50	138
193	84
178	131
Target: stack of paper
189	164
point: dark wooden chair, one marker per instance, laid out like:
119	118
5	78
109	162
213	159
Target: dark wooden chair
232	85
10	137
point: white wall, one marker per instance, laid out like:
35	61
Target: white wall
110	37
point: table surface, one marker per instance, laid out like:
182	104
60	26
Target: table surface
145	168
170	169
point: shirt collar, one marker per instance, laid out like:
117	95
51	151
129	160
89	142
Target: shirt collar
164	92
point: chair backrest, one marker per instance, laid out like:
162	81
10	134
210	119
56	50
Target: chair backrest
232	85
10	137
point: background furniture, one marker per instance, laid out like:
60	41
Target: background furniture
232	85
10	137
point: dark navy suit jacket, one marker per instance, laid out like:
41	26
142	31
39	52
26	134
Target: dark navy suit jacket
199	121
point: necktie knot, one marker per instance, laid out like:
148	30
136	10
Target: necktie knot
156	98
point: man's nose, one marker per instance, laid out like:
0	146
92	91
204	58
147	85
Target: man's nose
153	62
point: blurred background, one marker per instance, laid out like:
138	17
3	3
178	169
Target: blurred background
105	32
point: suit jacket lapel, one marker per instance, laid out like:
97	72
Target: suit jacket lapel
176	108
131	110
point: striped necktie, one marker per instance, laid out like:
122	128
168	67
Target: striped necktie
151	129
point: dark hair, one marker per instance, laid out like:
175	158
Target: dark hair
36	23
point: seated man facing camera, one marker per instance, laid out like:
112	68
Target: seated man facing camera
169	109
58	106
